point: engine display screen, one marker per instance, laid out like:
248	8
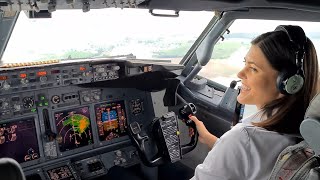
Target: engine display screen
18	140
73	128
111	120
60	173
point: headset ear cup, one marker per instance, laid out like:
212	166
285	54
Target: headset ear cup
289	83
281	79
294	84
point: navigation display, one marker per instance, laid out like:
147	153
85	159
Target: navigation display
73	128
18	140
60	173
111	120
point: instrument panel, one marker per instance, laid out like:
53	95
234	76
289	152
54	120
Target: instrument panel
55	127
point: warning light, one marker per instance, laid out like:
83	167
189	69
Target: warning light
42	73
3	78
82	68
23	75
56	71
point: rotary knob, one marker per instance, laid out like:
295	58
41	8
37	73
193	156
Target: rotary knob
24	81
100	70
118	153
115	68
86	98
28	102
17	107
96	97
4	104
6	85
43	78
55	99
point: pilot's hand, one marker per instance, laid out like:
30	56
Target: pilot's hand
205	136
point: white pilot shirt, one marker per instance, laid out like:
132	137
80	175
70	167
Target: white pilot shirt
245	152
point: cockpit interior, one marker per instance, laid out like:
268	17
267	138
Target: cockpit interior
77	118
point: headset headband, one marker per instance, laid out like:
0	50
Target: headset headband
298	39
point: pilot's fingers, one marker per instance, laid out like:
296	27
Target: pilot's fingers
194	119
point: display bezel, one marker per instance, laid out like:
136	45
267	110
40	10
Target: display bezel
80	149
115	140
37	130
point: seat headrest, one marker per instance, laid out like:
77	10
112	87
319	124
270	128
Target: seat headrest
310	126
10	169
313	110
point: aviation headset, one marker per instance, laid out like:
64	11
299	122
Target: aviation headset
291	81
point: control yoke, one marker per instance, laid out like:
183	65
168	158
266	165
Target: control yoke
165	134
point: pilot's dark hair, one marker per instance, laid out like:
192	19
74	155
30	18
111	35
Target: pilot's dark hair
285	114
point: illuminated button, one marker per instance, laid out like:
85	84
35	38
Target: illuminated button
178	132
33	110
46	103
42	97
40	104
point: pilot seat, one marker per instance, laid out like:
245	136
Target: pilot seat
301	161
10	170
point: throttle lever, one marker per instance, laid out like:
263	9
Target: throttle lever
135	129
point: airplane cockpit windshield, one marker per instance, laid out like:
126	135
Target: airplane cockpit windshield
102	33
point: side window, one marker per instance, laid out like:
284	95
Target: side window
228	54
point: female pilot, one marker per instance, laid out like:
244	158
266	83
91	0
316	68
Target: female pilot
280	77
